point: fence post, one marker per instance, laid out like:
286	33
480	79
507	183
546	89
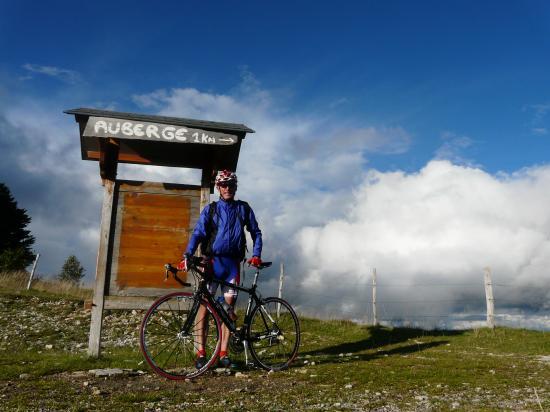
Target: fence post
489	298
374	317
281	279
32	271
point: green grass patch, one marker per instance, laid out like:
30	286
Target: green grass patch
341	366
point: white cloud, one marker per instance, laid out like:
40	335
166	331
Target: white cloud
541	131
329	218
332	222
66	75
453	148
440	226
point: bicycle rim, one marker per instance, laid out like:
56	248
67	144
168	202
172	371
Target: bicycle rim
170	350
274	334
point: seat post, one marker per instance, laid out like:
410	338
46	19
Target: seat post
256	276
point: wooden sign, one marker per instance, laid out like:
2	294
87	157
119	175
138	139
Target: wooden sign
153	224
131	129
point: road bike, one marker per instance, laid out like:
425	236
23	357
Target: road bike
171	329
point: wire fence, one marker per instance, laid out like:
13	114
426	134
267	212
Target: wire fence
464	305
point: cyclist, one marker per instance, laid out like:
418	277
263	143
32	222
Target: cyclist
220	232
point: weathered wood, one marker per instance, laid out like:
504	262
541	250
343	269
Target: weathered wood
158	132
489	298
206	184
108	158
374	314
137	303
153	225
123	157
129	302
101	270
32	271
154	230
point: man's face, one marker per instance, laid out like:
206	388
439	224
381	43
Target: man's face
227	191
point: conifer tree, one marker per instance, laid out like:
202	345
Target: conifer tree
72	270
15	240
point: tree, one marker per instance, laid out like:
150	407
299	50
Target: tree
15	240
72	270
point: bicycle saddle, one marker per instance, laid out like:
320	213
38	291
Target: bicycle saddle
265	265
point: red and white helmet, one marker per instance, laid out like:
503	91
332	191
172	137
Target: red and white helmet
226	176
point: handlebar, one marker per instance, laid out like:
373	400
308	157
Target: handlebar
198	263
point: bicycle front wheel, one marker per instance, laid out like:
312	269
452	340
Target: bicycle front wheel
171	334
274	334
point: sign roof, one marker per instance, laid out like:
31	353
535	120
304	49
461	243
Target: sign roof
161	140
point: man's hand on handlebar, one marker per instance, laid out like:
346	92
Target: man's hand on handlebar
254	261
184	264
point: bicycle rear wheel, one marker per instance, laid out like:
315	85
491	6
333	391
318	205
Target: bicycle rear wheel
169	339
274	334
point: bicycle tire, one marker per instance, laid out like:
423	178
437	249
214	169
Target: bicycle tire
274	340
171	351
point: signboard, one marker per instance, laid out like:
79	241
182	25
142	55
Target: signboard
152	227
131	129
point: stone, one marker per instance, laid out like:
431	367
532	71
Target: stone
24	376
106	372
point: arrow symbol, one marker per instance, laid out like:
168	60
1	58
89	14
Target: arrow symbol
230	139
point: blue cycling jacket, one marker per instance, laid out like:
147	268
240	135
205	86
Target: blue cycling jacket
229	216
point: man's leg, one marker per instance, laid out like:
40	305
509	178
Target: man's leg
230	299
230	296
200	329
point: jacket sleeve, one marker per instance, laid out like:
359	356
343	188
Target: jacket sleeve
255	233
199	233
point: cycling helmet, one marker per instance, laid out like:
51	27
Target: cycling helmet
226	176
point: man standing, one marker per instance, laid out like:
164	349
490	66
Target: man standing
220	232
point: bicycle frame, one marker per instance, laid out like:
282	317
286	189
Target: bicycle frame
203	292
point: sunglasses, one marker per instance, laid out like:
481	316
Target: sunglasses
230	185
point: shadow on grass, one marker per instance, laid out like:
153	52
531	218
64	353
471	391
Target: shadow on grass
379	337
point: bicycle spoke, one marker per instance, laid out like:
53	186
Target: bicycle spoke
168	349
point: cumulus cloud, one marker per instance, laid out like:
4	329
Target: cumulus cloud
331	220
65	75
453	148
44	172
430	235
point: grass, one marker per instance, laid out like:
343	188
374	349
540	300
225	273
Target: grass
18	281
341	366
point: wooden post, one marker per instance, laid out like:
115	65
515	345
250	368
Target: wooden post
281	279
108	168
206	183
490	299
374	316
32	271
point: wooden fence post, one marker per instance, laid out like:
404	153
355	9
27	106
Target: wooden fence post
490	299
374	316
32	271
281	279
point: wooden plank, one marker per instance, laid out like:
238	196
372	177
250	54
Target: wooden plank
101	270
154	231
122	157
139	303
157	132
128	302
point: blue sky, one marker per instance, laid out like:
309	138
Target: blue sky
372	95
476	69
